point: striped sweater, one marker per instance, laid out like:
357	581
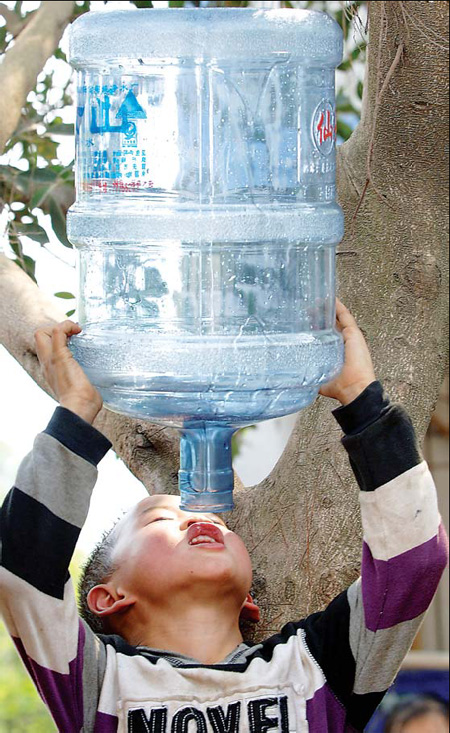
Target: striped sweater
324	674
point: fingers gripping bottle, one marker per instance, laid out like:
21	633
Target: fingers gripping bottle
206	221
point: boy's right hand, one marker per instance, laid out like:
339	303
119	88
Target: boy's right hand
64	375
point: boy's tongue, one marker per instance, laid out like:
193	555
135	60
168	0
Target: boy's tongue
207	531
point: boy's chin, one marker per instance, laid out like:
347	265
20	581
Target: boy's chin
214	570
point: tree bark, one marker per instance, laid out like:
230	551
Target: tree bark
302	523
25	60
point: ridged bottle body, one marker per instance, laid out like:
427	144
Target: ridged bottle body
206	221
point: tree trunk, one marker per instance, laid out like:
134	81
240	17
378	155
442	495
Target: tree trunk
302	523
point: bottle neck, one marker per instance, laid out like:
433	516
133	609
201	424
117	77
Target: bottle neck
206	476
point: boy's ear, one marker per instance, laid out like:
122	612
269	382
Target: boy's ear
105	600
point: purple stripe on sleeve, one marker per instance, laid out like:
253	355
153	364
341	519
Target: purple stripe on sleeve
62	693
106	723
402	588
324	713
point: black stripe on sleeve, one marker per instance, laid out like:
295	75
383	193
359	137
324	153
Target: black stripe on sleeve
328	640
365	410
384	450
362	707
36	545
78	436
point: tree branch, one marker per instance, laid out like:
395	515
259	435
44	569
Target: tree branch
26	59
23	309
14	24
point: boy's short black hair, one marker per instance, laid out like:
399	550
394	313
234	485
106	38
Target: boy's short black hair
97	570
413	708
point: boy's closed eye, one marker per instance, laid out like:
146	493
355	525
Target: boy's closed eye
159	518
166	518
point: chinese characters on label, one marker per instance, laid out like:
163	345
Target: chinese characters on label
109	162
325	128
117	170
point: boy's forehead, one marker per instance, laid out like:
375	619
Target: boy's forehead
158	501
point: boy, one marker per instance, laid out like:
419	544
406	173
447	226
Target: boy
167	588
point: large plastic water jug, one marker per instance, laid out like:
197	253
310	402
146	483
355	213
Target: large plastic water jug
206	221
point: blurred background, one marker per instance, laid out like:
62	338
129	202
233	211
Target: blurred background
36	186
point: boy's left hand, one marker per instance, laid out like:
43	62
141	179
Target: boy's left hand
358	371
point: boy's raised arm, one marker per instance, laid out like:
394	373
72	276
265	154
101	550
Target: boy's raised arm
362	638
40	522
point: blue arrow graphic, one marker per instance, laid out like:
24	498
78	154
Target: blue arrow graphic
131	109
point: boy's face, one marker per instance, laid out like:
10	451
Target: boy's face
162	551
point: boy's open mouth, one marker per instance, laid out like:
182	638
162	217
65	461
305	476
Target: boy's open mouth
203	533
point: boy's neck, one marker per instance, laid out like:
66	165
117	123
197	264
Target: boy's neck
206	634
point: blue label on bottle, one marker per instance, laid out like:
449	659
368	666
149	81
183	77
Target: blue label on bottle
101	115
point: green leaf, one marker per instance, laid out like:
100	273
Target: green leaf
176	3
64	296
60	128
38	187
142	4
36	177
3	34
37	184
360	89
237	439
343	130
69	314
33	231
60	55
68	174
343	104
58	221
345	66
358	50
339	17
39	197
81	8
28	265
15	245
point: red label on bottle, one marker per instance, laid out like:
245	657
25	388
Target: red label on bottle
325	127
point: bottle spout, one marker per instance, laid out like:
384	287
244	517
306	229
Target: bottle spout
206	477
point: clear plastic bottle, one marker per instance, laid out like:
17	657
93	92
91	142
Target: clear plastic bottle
206	221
